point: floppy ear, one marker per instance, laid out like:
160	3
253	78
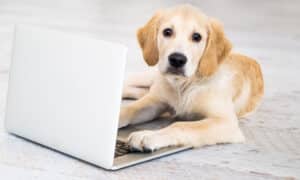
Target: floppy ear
147	37
217	49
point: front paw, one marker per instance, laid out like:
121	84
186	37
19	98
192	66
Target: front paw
148	141
124	118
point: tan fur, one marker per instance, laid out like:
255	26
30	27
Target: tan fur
248	70
222	87
147	36
217	49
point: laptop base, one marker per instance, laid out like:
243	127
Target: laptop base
134	158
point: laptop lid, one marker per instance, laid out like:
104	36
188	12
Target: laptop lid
65	92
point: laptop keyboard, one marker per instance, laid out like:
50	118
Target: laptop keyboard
122	148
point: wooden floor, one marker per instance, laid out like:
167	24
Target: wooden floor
266	30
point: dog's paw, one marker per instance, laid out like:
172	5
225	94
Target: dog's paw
124	118
148	141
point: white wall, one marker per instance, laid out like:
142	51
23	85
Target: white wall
115	21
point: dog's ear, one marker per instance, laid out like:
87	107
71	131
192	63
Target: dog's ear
147	37
217	49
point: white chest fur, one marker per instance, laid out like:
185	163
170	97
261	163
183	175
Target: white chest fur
191	94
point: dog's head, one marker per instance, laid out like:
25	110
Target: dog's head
183	42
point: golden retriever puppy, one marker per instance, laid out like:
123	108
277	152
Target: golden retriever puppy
200	81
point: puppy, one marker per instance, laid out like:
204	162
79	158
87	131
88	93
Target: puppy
200	81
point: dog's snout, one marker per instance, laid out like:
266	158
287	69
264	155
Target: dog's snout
177	60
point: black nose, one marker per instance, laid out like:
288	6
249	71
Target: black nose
177	60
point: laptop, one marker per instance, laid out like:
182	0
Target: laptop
65	93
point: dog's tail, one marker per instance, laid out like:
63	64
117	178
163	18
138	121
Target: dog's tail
138	84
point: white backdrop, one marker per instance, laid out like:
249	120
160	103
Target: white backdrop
265	30
115	21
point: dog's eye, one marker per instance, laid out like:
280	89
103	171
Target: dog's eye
196	37
168	32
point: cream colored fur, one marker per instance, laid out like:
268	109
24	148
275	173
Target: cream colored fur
217	88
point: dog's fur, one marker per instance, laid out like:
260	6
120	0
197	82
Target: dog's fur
216	88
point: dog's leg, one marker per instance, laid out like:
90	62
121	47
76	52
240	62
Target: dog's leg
145	109
132	92
138	84
193	133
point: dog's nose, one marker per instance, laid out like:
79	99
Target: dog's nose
177	60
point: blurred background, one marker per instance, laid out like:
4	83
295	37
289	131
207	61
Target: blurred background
250	24
268	31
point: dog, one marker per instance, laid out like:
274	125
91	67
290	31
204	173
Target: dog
199	80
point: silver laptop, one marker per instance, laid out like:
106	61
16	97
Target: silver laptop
65	93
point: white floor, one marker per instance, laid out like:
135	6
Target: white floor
266	30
